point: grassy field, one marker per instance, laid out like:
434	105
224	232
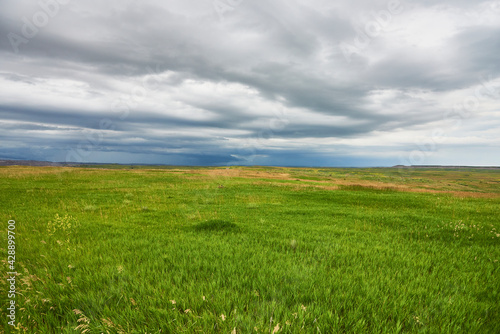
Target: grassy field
252	250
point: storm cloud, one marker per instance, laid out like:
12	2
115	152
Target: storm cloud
239	82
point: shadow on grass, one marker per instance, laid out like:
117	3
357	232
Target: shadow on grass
216	225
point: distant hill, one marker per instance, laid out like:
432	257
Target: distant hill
76	164
447	167
34	163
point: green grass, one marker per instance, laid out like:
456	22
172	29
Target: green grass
144	250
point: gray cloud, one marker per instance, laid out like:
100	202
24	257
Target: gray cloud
261	83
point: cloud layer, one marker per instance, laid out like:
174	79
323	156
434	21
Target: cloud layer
224	82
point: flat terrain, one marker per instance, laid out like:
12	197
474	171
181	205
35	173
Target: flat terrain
110	249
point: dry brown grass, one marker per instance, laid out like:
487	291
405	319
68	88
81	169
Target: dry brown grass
441	183
342	184
245	173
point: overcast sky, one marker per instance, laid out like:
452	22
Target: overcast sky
251	82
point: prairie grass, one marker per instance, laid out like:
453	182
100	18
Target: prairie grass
161	251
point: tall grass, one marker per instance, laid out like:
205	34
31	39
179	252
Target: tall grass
158	251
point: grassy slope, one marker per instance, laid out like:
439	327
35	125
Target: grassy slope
366	260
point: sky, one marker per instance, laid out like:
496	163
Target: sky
251	82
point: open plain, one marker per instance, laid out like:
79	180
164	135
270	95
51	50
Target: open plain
131	249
